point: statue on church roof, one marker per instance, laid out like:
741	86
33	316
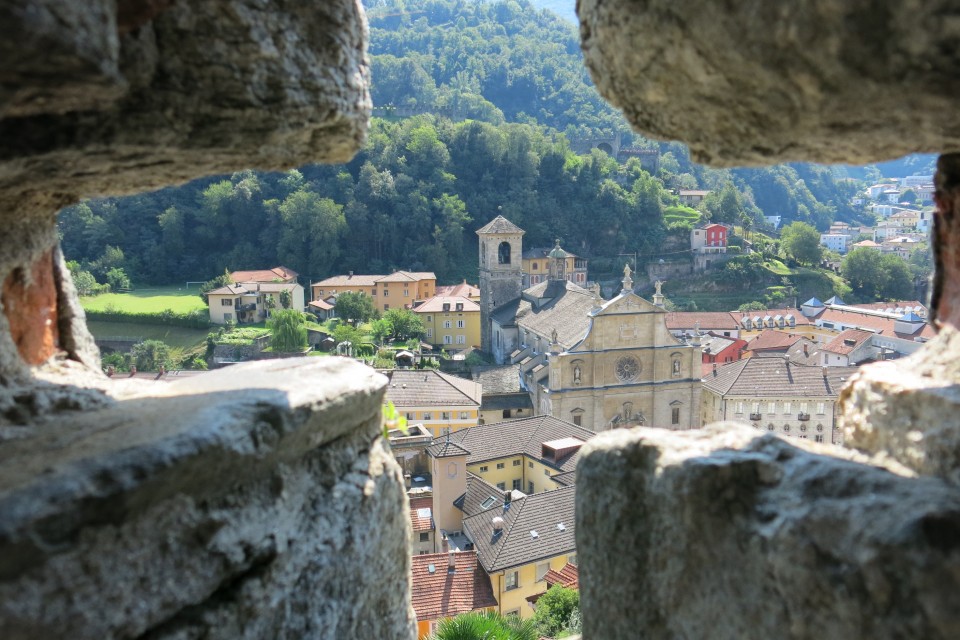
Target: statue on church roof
658	284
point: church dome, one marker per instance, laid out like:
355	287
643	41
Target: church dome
557	252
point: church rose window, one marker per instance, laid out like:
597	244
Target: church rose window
627	368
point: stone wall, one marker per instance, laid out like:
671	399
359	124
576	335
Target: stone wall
252	502
729	533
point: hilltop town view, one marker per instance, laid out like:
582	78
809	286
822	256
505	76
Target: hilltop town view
527	272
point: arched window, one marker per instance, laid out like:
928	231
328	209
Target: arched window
503	253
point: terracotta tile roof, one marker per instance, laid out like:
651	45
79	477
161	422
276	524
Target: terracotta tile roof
272	287
568	576
709	320
803	351
770	340
435	305
850	319
348	280
847	341
500	225
522	436
446	449
421	514
774	378
462	289
427	388
443	594
408	276
264	275
320	304
535	527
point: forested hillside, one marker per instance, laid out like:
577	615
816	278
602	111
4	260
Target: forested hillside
502	86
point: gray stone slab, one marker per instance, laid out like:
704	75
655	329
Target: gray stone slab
251	502
725	533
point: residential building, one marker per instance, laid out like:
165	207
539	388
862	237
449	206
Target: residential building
906	218
276	274
899	328
536	267
774	221
865	244
444	585
721	323
912	182
424	538
850	348
400	289
875	191
248	302
440	402
691	197
518	543
719	350
595	363
777	396
710	238
790	320
835	241
770	341
901	246
451	322
503	396
528	454
518	537
463	290
322	309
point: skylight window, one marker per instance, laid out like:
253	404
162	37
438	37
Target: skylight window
486	504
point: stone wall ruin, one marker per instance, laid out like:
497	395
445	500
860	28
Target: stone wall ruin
727	533
256	502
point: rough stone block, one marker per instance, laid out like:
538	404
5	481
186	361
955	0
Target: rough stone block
252	502
721	533
909	410
759	82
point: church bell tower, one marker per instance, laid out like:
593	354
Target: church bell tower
501	271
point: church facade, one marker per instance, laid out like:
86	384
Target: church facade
595	363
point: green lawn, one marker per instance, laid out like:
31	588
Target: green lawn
179	337
147	300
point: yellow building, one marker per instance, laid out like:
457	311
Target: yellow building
451	322
440	402
506	490
536	266
399	290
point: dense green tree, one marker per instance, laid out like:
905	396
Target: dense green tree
215	283
801	242
554	609
286	299
404	323
354	306
150	355
874	276
288	330
487	625
118	279
909	196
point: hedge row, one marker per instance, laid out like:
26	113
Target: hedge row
196	320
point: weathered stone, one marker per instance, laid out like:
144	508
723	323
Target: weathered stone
727	533
29	300
252	502
107	97
909	410
945	241
760	82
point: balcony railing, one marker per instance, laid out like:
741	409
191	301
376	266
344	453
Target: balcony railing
803	416
754	416
245	307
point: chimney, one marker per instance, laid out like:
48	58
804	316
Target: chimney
805	349
714	368
451	562
507	497
350	273
824	372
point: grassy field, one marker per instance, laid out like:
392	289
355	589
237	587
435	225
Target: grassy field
178	337
152	300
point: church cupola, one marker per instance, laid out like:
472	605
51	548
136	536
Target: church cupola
558	262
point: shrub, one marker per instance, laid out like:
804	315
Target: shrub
289	333
150	355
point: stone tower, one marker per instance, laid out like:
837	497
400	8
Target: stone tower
501	270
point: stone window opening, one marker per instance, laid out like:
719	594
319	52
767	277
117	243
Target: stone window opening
503	253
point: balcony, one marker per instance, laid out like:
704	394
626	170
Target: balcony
754	416
803	416
245	307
